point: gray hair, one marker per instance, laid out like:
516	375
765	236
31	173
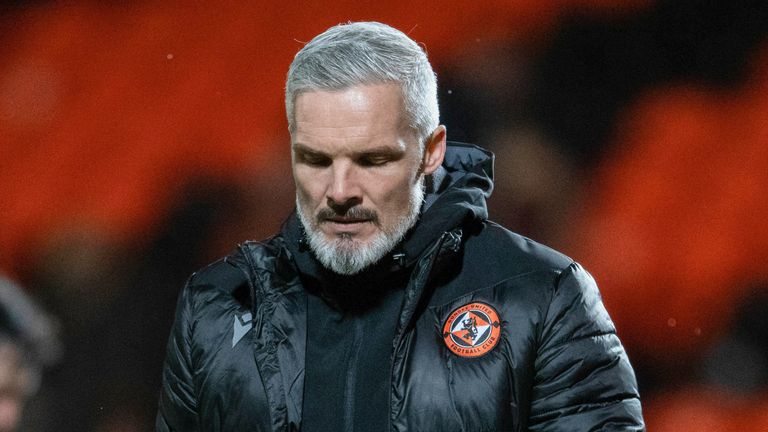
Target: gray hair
365	53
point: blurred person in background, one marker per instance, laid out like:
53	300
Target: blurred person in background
27	344
388	301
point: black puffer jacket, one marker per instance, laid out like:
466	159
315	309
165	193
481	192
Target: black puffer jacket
547	356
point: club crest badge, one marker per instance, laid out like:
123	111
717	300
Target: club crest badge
472	330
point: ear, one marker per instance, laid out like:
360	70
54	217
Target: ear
434	151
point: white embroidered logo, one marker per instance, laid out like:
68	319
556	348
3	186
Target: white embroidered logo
240	327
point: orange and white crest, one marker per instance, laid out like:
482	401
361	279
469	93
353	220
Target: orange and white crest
472	330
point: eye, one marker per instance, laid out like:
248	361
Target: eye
373	160
313	160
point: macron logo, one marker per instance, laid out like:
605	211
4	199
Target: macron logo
240	327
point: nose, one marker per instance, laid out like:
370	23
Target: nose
344	191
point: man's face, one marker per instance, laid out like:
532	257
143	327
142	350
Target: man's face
356	164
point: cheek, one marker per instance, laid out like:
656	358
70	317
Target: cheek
308	187
392	195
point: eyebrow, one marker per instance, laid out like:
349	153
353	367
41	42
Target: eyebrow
374	151
301	148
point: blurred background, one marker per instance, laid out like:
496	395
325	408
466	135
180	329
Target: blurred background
142	140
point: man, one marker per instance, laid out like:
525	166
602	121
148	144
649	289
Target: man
389	302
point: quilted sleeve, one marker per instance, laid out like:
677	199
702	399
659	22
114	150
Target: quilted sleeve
583	378
178	404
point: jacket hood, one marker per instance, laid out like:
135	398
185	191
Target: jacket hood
455	195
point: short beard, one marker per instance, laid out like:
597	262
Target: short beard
345	255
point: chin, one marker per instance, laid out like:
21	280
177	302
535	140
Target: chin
346	255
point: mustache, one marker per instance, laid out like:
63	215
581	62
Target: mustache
351	213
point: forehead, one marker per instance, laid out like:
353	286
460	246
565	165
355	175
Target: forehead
351	116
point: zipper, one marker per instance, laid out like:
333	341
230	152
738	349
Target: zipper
351	378
258	329
250	274
403	324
